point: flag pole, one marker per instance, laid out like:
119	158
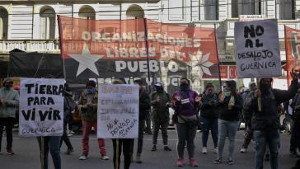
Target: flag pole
286	56
147	51
60	42
219	71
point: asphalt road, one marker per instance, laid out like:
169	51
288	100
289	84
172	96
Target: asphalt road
27	155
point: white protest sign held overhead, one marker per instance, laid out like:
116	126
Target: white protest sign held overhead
118	111
257	49
41	109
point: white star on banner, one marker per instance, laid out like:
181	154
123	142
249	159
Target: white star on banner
86	60
200	64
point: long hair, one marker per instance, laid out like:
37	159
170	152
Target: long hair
232	85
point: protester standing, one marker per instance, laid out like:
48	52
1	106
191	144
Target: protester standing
209	117
119	144
87	104
230	105
69	106
247	117
160	101
295	133
9	101
144	107
186	104
265	119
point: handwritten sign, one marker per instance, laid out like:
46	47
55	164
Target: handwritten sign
118	111
41	107
257	49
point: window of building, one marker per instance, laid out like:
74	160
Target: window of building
134	12
3	23
47	23
245	7
286	9
211	9
87	12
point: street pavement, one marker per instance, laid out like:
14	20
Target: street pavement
27	155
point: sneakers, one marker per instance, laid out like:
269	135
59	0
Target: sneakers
83	157
193	162
218	161
10	152
104	157
153	148
229	161
216	150
138	159
204	150
69	151
179	162
166	148
243	150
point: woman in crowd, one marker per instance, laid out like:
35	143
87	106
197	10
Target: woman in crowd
209	117
230	104
185	103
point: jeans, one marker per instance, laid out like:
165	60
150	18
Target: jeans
226	128
140	137
86	129
127	145
212	125
264	138
8	123
51	143
185	135
65	138
163	125
248	137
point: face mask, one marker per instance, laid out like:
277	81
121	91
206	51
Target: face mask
227	93
184	87
91	90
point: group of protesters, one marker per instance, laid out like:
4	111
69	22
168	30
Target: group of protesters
218	112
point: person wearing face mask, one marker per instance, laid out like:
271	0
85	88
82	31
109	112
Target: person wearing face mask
160	101
265	119
88	111
230	105
186	103
209	117
9	100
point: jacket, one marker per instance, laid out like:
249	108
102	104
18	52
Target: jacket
209	111
184	108
231	115
160	109
268	118
88	114
144	104
11	102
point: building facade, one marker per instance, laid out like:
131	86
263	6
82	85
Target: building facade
31	25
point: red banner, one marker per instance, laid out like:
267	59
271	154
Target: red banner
123	45
292	49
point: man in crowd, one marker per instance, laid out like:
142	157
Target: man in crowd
265	118
9	100
160	100
88	111
144	107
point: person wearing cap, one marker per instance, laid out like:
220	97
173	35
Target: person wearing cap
9	101
265	119
119	144
87	105
144	107
186	103
160	101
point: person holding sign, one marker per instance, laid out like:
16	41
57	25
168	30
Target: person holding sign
144	108
230	104
9	100
88	111
160	100
126	144
186	103
266	121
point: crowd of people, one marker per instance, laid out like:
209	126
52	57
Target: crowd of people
218	112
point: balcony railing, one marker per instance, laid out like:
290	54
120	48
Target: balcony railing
47	46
